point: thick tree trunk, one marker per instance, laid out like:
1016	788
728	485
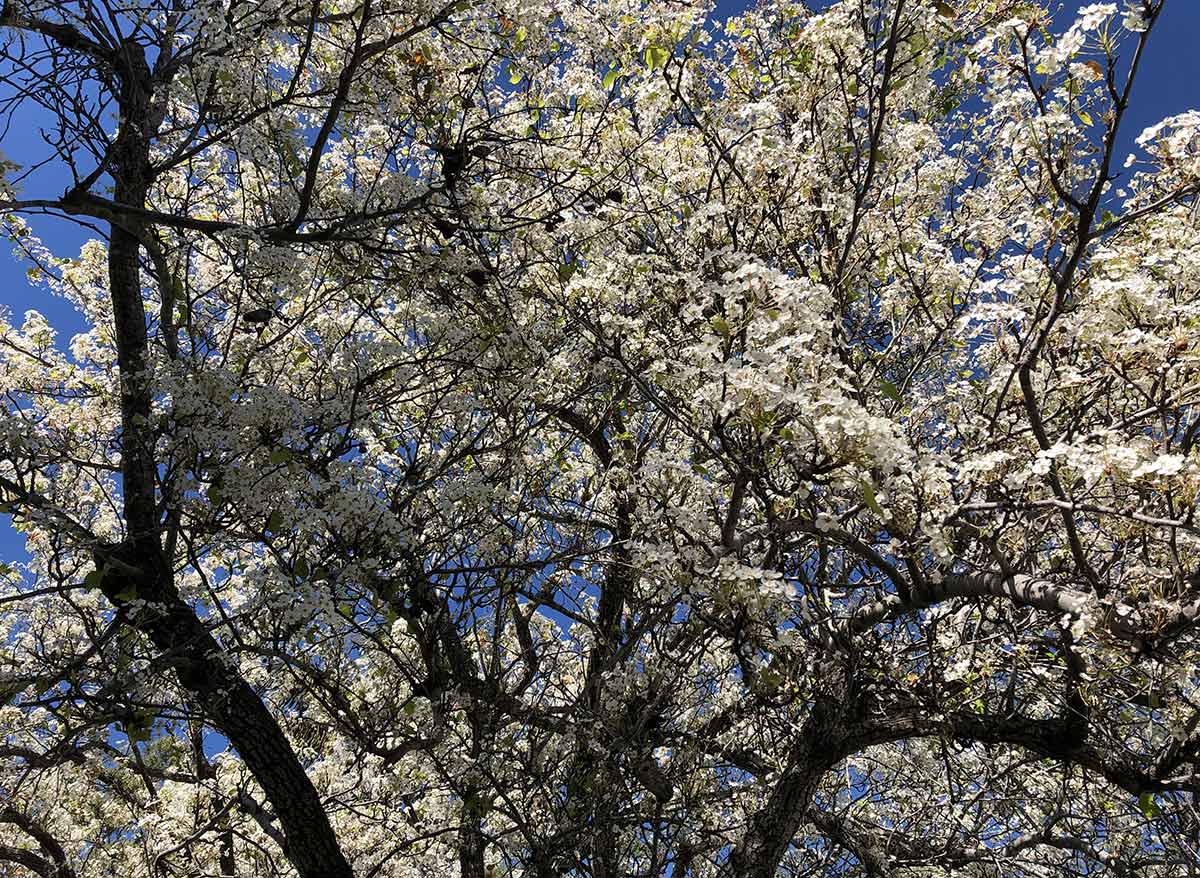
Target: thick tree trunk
130	167
471	843
820	744
208	673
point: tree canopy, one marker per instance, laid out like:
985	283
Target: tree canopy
583	438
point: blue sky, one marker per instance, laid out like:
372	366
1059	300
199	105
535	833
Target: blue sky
1169	83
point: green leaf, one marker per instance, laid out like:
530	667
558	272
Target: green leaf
610	78
515	75
301	567
94	579
871	499
1148	806
890	390
125	643
567	271
138	727
656	57
521	34
768	681
1085	118
721	325
947	102
802	61
275	522
128	593
280	455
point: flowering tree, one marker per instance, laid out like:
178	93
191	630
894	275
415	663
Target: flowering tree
573	438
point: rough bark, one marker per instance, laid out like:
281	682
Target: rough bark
820	744
209	673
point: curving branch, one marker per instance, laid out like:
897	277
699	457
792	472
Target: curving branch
54	864
60	34
1140	626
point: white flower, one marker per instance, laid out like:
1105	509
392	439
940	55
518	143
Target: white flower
1045	459
1135	17
1090	17
1163	465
